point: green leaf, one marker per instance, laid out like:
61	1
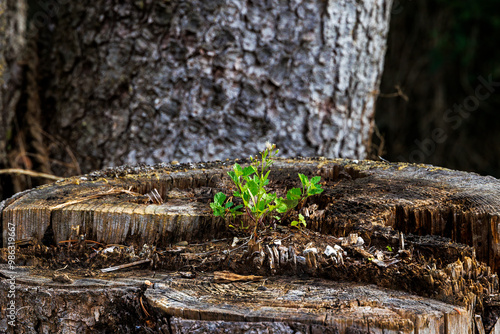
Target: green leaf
267	199
304	180
290	204
253	187
237	207
219	198
249	170
218	210
233	177
238	170
228	205
281	206
261	206
270	198
315	180
300	223
294	194
246	196
314	191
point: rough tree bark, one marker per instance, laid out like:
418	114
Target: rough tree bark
153	81
12	42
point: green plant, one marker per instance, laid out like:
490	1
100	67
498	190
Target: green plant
221	209
300	223
389	248
258	204
310	187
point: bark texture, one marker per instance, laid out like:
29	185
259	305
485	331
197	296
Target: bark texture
88	308
12	41
195	80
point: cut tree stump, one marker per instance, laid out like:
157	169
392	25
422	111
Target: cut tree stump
388	248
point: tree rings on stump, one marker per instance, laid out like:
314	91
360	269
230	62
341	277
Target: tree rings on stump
428	231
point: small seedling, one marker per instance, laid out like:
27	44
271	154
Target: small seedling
389	248
258	204
300	223
242	226
310	187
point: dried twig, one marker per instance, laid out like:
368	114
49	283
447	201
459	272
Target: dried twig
396	94
143	308
112	191
246	243
85	241
123	266
30	173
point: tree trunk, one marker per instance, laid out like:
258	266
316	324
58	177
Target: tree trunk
195	81
416	229
12	42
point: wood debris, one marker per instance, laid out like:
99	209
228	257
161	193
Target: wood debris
226	277
123	266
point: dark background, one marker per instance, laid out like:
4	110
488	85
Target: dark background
438	51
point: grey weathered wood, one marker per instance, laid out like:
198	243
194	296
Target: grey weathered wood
110	219
328	306
86	305
417	199
200	306
376	200
496	328
479	324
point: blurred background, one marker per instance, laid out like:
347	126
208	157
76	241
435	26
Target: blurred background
440	92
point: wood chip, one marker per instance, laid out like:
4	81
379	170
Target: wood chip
226	277
62	278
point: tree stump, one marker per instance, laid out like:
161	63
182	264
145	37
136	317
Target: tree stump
389	247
